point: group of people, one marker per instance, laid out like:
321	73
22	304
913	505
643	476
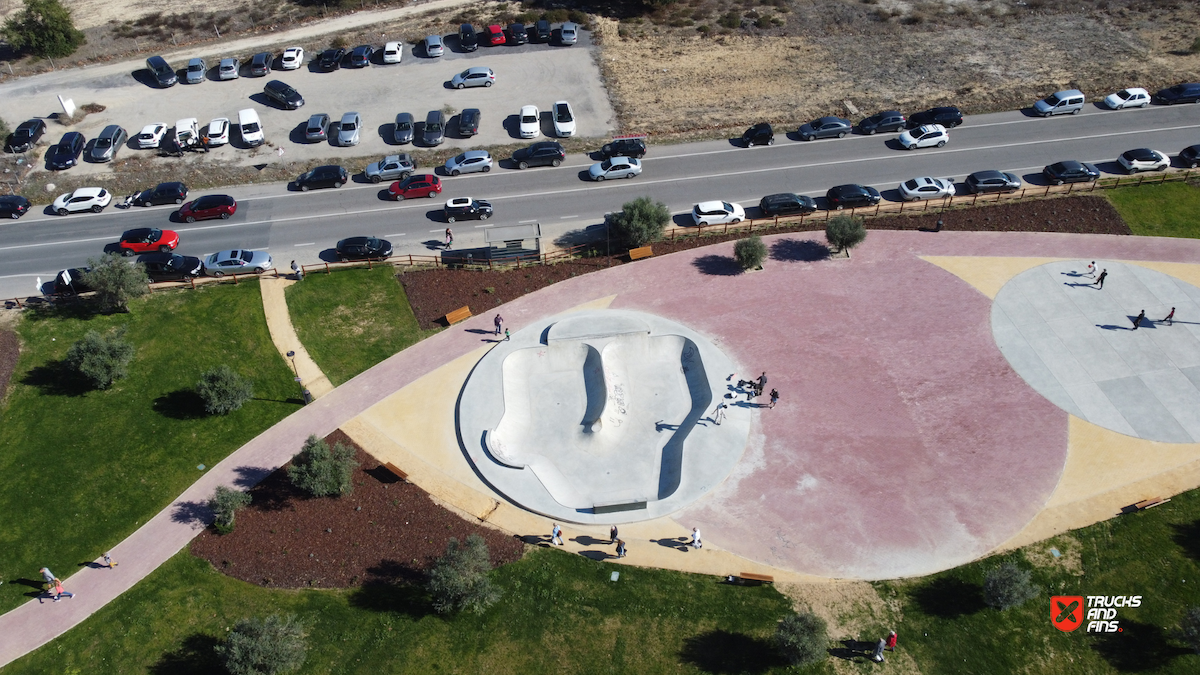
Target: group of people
54	585
1169	319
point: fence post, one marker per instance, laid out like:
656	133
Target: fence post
368	263
192	282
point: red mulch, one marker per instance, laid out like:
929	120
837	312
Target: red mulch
384	531
9	351
434	293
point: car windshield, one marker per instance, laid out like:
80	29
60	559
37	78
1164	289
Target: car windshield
349	126
564	114
154	235
528	118
1052	99
372	242
1124	94
434	127
103	143
728	207
460	159
606	164
195	68
250	128
404	126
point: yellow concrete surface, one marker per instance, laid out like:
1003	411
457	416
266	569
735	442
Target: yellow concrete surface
283	334
987	275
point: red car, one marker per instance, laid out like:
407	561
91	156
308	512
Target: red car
495	35
207	207
147	240
420	185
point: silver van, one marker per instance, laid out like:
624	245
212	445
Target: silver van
1060	103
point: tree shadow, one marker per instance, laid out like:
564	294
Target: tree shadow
192	512
1187	536
719	651
717	265
250	476
275	492
377	596
195	656
56	378
64	307
181	404
949	598
1139	647
798	250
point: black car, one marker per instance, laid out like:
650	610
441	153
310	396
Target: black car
163	73
517	35
947	116
260	64
468	39
163	193
463	208
66	154
888	120
13	206
851	196
331	59
361	56
1180	93
171	266
363	248
543	30
759	134
27	135
283	94
785	203
468	122
1070	172
330	175
992	181
1190	156
625	147
71	281
540	154
825	127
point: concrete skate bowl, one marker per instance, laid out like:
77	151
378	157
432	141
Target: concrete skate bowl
601	417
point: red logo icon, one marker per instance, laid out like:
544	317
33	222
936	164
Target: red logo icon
1066	612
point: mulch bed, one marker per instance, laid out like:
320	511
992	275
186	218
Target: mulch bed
9	351
385	531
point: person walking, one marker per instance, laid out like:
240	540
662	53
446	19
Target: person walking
1091	269
1137	320
1170	318
59	592
612	534
506	335
877	656
297	272
449	238
1100	279
696	543
762	382
774	398
890	643
718	415
499	321
108	561
621	548
556	534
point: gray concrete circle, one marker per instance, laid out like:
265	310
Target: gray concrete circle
1075	344
603	416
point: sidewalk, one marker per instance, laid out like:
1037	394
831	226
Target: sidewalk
283	334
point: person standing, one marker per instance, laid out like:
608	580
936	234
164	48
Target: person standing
1091	269
1170	318
620	548
556	534
718	415
762	382
612	534
449	238
1100	279
877	657
696	543
890	643
1137	320
297	272
774	398
48	577
499	321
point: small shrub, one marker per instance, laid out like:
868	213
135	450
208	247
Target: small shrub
1189	628
4	130
320	471
223	390
43	28
1008	586
115	281
801	639
458	580
267	646
750	252
704	29
225	504
845	232
101	359
730	19
639	222
339	42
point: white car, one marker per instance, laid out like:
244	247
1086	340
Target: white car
434	47
393	52
564	119
92	199
615	167
218	132
1128	98
926	188
716	213
151	135
293	58
531	126
469	162
928	136
1143	159
230	69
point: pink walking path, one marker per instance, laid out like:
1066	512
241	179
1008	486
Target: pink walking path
903	443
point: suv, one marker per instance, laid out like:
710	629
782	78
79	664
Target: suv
195	71
171	266
543	30
27	135
625	147
283	94
786	202
163	193
853	196
947	116
468	39
461	208
540	154
759	134
164	74
106	145
392	167
992	181
321	177
261	64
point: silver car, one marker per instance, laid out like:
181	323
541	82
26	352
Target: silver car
392	167
433	46
195	71
348	129
106	145
569	33
230	69
469	162
237	262
404	128
317	128
926	187
615	167
479	76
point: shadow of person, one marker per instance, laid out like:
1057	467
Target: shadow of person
1068	283
1109	326
587	540
677	543
598	556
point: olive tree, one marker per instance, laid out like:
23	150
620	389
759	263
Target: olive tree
275	644
99	359
458	580
225	503
223	390
639	222
1008	586
801	638
750	252
43	28
320	470
115	281
845	232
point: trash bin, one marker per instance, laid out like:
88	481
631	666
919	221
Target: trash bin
308	397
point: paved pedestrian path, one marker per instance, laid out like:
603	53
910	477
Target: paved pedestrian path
283	334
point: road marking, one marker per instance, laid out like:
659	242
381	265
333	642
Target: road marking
522	222
438	230
311	243
567	217
488	225
398	234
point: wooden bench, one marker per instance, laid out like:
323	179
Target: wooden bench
639	253
396	470
760	578
1150	503
460	314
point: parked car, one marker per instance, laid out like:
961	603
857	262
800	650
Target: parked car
71	281
66	153
1134	97
283	94
92	199
391	167
171	266
928	136
716	213
851	196
468	39
13	206
470	161
317	128
1069	101
1143	159
463	208
207	208
947	116
393	52
217	131
479	76
163	193
495	35
403	132
417	185
825	127
187	132
251	127
331	59
529	120
759	134
330	175
569	33
1070	172
348	129
993	181
543	30
886	121
616	167
260	64
361	56
26	135
926	187
517	35
229	69
363	248
468	122
163	73
1180	93
785	203
108	144
292	59
1190	156
237	261
147	240
195	71
564	119
434	47
625	147
434	131
539	154
151	135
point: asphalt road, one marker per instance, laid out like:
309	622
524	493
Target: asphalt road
305	226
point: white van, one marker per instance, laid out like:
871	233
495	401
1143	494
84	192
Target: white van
1060	103
187	132
250	127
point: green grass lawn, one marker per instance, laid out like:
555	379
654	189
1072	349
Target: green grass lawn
1167	210
80	471
352	319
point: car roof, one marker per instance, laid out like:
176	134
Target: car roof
354	241
926	128
988	173
228	61
545	144
151	128
849	187
259	56
479	69
223	199
404	117
32	124
526	109
711	206
349	117
459	201
570	24
329	167
1141	153
433	39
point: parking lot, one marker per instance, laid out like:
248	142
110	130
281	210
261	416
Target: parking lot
533	74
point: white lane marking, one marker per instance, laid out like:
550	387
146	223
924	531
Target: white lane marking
488	225
310	243
522	222
437	230
398	234
35	274
568	217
